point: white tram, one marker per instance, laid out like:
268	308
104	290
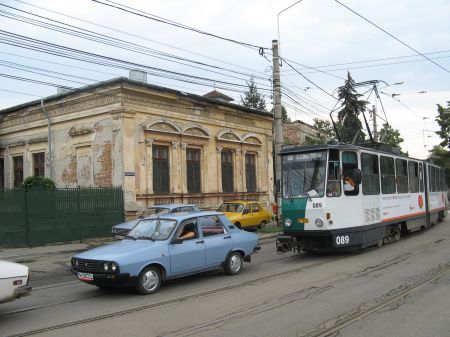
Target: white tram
351	197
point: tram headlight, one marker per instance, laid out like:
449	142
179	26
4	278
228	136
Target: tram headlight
288	222
319	222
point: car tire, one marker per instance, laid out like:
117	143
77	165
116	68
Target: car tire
233	264
238	225
149	281
262	224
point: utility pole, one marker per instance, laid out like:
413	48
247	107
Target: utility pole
278	123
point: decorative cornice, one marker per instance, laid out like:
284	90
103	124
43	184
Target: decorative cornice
148	141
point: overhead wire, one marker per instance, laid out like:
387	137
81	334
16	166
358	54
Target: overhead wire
160	19
391	35
72	30
253	71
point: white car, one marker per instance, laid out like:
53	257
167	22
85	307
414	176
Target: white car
14	279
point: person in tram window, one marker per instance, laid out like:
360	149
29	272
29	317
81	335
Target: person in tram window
349	184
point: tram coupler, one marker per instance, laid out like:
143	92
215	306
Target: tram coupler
284	244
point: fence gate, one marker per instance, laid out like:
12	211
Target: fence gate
39	217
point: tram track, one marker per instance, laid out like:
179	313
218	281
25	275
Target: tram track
330	327
309	292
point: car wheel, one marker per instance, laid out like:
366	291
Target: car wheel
262	224
238	225
233	264
149	281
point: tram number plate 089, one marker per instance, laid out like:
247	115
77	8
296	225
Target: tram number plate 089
342	240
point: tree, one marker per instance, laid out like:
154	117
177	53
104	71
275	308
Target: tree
441	156
284	115
348	117
327	133
253	99
390	136
38	183
443	119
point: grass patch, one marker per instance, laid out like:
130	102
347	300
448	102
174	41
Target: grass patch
271	229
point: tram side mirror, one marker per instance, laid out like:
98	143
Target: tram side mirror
357	175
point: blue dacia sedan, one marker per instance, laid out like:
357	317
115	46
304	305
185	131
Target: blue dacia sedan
167	246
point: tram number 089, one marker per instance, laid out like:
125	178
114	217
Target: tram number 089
342	240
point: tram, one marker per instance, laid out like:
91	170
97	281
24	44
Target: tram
346	197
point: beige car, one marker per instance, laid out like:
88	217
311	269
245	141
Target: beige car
246	214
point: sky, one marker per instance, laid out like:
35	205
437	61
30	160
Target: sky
321	41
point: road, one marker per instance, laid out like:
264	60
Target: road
400	289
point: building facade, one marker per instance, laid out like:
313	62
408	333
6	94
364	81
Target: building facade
298	132
160	145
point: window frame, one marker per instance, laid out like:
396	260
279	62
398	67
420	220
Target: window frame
218	224
18	170
2	172
227	168
161	165
347	171
385	175
250	172
367	177
39	165
402	185
193	170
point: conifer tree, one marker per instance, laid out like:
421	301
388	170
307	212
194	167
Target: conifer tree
253	99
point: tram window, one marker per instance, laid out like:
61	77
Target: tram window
349	168
387	175
413	173
432	179
401	171
370	174
421	177
334	180
438	180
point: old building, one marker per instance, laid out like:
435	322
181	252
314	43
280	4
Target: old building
298	132
160	145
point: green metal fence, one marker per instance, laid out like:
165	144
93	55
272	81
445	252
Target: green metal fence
31	218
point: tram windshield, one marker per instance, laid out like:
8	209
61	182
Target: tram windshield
304	175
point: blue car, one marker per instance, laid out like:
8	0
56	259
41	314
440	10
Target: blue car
164	247
120	230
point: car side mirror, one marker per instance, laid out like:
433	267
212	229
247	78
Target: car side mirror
176	241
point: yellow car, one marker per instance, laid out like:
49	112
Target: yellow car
245	214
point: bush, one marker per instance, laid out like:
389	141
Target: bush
38	183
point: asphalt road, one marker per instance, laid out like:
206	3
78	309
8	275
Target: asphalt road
400	289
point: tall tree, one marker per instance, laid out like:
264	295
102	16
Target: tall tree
390	136
443	119
348	117
284	115
253	99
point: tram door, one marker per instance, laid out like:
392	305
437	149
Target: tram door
351	178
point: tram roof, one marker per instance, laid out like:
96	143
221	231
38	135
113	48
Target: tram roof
290	149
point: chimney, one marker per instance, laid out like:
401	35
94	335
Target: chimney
138	75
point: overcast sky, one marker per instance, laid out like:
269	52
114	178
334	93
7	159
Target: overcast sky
319	34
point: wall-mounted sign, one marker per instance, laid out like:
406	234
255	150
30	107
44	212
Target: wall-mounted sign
129	174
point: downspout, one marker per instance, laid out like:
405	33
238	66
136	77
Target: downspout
49	139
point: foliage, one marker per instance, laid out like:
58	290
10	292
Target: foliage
327	133
441	156
284	115
390	136
348	117
38	183
253	99
443	119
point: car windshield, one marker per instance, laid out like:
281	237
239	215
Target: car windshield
231	207
304	175
155	210
154	229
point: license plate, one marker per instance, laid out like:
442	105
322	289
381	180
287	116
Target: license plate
85	276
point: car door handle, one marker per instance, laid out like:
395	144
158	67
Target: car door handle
227	237
200	242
